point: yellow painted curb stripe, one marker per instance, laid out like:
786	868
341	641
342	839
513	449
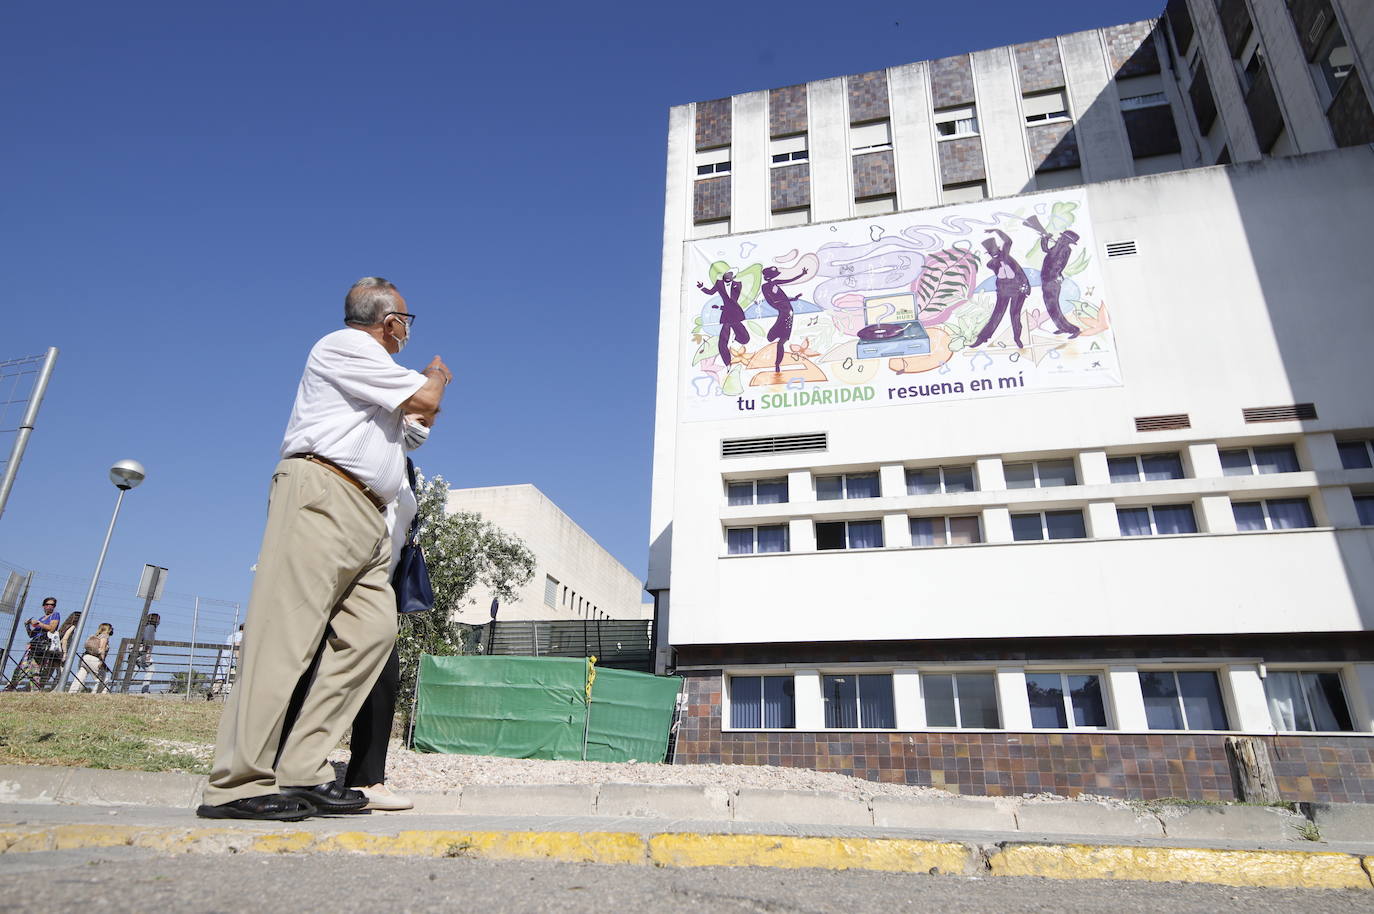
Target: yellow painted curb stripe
891	854
1288	869
1291	869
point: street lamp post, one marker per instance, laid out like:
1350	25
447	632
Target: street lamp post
126	474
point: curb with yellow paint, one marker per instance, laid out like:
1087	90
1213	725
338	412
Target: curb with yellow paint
1267	868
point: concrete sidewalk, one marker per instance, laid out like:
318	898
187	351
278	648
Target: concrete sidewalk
54	808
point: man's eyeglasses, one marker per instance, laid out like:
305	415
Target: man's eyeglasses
407	316
49	605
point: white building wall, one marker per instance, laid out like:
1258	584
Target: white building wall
562	550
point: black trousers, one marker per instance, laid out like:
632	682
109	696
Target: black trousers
367	745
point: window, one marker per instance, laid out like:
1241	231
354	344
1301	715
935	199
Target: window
1307	700
550	590
1355	455
1183	700
850	534
1156	520
1364	507
713	162
757	492
1045	106
1057	698
871	137
1150	100
763	702
799	215
952	123
934	480
1145	467
711	228
859	701
1333	60
945	531
1040	474
1252	64
961	700
787	149
749	540
875	206
1051	525
1273	514
963	193
847	485
1248	461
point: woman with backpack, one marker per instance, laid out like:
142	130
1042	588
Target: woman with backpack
93	654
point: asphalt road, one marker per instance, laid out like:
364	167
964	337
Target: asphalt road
136	880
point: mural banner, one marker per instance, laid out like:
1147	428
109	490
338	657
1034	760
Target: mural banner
984	299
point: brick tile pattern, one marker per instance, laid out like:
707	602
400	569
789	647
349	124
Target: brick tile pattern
951	81
1328	769
790	186
1053	146
874	174
867	96
1352	122
713	123
711	199
1131	49
1235	24
1305	14
1039	65
787	111
961	160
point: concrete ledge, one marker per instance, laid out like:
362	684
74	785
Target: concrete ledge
31	783
433	802
978	814
1236	823
1287	869
98	787
800	806
533	800
1079	818
664	801
1346	822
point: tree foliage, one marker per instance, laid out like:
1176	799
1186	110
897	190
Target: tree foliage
462	551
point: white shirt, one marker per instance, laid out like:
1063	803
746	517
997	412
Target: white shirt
347	409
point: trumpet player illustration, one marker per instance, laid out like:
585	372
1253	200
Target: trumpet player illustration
1052	273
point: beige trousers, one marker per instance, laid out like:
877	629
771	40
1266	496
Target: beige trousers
323	563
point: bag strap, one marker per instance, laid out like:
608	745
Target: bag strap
414	521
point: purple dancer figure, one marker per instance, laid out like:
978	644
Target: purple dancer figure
1052	278
731	314
1012	288
777	299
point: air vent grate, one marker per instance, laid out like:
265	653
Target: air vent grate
1279	413
1121	249
775	444
1161	423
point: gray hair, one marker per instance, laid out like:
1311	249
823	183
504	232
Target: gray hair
368	300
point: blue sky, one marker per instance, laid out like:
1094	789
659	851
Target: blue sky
193	187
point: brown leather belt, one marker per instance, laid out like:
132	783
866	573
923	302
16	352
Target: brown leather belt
340	471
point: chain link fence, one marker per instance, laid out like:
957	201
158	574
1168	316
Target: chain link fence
193	652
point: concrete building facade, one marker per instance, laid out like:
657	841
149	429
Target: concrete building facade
575	577
1038	454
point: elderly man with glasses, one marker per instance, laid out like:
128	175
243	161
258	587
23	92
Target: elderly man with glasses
322	576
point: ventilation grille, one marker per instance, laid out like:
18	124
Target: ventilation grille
1161	423
777	444
1280	413
1121	249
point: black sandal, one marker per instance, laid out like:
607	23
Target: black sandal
272	806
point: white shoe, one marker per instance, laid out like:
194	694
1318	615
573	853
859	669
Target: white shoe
379	796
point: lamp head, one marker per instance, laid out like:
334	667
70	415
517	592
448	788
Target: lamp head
126	474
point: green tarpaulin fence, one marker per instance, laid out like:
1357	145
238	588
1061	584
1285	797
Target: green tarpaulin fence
542	707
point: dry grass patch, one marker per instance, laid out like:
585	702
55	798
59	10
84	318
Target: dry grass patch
136	732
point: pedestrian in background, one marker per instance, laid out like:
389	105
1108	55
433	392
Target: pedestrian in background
37	656
144	670
93	654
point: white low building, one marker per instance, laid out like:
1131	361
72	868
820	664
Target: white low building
934	509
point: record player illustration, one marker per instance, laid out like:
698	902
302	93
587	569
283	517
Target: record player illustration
892	329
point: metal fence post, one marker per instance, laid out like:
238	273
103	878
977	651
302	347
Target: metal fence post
191	661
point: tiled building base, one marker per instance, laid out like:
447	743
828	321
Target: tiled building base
1126	765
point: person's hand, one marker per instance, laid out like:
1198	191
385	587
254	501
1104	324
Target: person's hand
438	369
